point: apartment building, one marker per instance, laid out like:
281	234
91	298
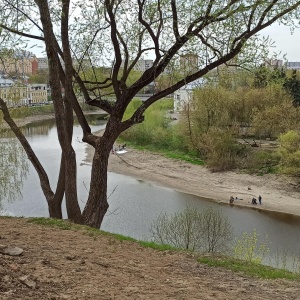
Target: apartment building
42	63
16	94
37	93
13	94
142	65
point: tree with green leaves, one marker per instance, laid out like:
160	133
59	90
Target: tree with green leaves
289	151
292	85
118	34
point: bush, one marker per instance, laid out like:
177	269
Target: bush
156	130
206	231
249	249
220	149
290	153
261	161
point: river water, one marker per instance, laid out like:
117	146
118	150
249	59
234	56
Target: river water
135	204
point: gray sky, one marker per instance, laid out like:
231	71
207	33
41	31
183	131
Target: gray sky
284	41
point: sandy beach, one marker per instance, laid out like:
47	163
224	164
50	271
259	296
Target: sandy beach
279	193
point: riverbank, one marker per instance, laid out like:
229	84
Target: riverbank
279	193
81	265
28	120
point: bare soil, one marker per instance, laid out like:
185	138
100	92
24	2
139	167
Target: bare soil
66	264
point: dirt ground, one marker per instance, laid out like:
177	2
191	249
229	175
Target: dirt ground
66	264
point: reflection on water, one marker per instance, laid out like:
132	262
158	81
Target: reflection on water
14	165
134	204
13	169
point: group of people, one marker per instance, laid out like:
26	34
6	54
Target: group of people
231	200
253	201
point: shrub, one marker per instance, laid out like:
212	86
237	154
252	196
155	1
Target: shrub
206	231
248	248
220	149
289	151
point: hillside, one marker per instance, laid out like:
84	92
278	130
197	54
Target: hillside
66	264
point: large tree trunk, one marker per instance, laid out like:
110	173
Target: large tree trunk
97	205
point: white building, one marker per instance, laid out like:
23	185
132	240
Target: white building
42	63
143	64
184	95
5	82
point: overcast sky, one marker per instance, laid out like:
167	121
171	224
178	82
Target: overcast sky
285	42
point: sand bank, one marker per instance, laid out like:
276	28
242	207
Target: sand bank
279	193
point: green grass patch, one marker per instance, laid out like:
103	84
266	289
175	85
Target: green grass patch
188	157
185	157
251	269
93	232
62	224
157	246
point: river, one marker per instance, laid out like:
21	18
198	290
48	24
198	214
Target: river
135	204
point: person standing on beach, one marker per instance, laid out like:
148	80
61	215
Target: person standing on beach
259	199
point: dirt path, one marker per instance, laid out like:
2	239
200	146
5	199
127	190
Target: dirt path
64	264
278	193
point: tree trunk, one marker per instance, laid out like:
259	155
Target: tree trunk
54	208
97	205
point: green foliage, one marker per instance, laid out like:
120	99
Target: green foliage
220	149
207	230
22	112
41	77
249	249
292	85
156	129
289	151
248	268
262	161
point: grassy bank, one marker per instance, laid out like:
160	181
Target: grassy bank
250	269
23	112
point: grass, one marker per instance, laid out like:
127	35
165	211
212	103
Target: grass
188	157
93	232
250	269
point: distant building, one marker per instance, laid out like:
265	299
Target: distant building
142	65
184	95
19	67
13	94
16	94
274	63
42	63
37	93
295	65
5	82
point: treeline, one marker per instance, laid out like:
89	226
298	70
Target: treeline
230	108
